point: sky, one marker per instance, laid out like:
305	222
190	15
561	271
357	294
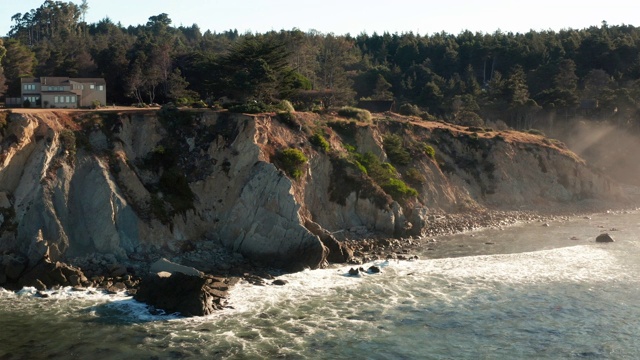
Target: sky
356	16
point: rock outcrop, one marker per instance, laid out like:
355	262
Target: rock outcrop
134	183
604	238
181	293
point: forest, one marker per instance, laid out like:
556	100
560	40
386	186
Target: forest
523	81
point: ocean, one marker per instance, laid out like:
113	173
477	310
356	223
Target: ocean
528	291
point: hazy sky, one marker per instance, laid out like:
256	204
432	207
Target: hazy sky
356	16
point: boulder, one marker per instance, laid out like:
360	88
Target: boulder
178	293
118	270
604	238
354	272
339	252
373	269
48	274
279	282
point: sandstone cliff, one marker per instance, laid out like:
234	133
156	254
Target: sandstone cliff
129	183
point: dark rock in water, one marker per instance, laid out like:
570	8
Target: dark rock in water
604	238
373	269
354	272
179	292
279	282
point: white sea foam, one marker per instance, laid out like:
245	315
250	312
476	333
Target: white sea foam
569	264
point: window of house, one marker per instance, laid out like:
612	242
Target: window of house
56	99
92	86
67	99
100	87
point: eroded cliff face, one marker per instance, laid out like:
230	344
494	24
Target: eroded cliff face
73	184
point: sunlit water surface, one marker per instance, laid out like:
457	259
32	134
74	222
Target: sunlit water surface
525	292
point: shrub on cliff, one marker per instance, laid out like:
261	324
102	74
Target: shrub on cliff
292	162
68	141
346	129
385	175
250	107
289	119
409	110
285	105
318	140
535	132
415	177
394	148
355	113
429	150
398	189
3	120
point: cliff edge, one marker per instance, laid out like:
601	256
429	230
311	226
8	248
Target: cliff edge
127	184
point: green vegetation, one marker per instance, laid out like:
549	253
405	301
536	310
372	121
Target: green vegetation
429	150
398	189
535	132
251	107
175	188
346	129
289	119
318	140
394	148
4	120
386	176
292	162
285	105
465	78
355	113
415	177
409	110
68	142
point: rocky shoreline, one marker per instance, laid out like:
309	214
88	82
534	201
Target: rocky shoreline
205	272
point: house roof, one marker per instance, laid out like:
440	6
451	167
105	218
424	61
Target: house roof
54	81
96	81
62	80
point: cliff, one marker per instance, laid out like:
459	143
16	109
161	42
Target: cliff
74	184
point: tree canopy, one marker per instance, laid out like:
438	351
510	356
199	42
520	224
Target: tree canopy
520	79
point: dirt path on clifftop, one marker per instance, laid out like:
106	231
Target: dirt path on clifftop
102	109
